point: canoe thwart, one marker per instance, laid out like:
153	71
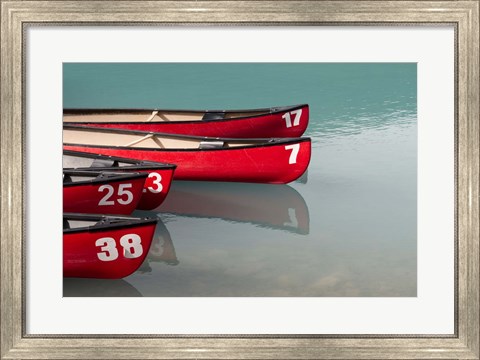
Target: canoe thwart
155	112
148	136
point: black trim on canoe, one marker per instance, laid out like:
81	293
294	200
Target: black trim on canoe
134	164
104	222
102	177
257	142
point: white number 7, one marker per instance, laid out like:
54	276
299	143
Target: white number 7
293	155
288	118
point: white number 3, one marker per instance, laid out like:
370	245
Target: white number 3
156	181
108	247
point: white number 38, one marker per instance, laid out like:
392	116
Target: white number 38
131	244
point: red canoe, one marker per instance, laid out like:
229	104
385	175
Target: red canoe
101	192
287	121
271	160
107	247
156	185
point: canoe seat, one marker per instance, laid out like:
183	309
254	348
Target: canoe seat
211	144
67	178
66	224
104	163
218	115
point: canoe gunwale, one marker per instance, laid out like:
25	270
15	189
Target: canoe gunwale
263	112
180	136
103	222
121	169
133	164
261	145
257	142
113	176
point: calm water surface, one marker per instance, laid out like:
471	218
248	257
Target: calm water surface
346	228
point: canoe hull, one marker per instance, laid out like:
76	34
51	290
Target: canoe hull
119	197
286	122
156	188
109	253
272	163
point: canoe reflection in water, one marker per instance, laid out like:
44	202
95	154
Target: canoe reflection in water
83	287
266	205
162	249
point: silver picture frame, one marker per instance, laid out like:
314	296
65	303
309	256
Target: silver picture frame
16	16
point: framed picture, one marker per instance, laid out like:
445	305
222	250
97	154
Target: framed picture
389	271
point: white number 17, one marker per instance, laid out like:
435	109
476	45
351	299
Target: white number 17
288	118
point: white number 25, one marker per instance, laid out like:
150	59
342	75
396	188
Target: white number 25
124	196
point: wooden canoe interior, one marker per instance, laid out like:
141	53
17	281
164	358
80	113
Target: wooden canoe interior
72	161
147	116
76	224
72	178
134	140
76	162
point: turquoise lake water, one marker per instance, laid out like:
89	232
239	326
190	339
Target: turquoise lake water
346	228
